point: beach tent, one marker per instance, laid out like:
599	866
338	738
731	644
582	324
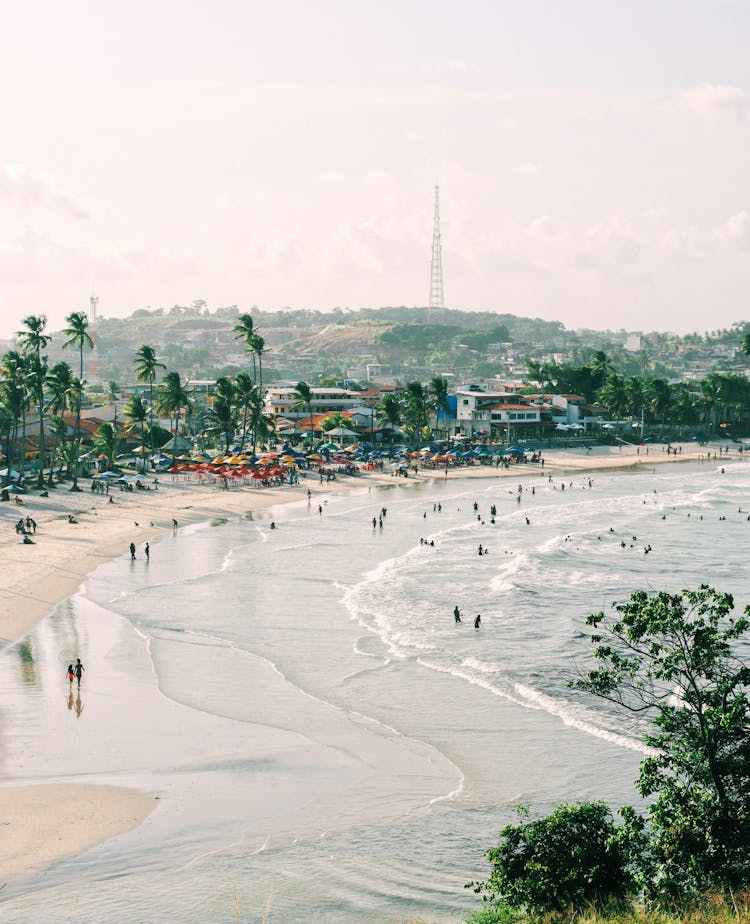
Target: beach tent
13	474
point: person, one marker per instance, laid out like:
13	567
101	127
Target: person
174	523
477	621
132	551
456	614
79	669
70	675
147	550
273	524
480	550
320	510
27	540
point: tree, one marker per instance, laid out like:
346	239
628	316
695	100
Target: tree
34	340
14	399
59	384
302	397
245	330
222	421
439	391
173	398
573	859
244	390
258	347
78	336
389	411
671	659
136	414
146	367
416	411
107	441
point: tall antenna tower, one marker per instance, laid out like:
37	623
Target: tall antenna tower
436	311
93	365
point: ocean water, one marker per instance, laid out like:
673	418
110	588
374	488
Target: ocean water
325	742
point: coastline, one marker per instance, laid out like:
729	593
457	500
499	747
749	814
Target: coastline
45	574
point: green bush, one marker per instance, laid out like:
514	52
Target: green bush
573	859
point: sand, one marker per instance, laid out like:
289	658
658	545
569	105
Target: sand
41	824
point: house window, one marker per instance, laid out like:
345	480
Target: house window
466	401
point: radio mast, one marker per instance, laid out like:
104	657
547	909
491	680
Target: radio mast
436	310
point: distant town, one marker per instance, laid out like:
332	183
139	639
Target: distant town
174	379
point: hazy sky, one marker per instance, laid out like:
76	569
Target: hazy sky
592	156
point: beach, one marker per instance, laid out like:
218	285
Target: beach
61	811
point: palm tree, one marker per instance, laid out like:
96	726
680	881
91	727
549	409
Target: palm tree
14	398
245	330
136	413
222	419
258	347
416	411
34	340
146	367
600	366
107	441
746	343
439	390
244	389
59	382
78	336
173	397
613	395
658	397
389	411
302	397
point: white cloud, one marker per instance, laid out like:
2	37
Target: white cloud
30	188
527	169
711	101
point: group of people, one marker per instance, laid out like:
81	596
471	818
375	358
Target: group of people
75	671
457	617
146	550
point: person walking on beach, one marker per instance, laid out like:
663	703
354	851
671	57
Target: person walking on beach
70	675
478	621
132	551
79	669
147	550
456	614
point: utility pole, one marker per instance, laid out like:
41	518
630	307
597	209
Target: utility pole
94	365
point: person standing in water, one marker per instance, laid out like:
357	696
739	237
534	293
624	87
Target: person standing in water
456	614
478	621
132	551
147	550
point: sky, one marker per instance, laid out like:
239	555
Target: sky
592	157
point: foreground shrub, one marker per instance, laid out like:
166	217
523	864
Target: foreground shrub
575	858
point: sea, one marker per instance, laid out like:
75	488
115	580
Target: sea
321	739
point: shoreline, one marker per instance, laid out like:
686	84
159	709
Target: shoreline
45	574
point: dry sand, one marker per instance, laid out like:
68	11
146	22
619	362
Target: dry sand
42	823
